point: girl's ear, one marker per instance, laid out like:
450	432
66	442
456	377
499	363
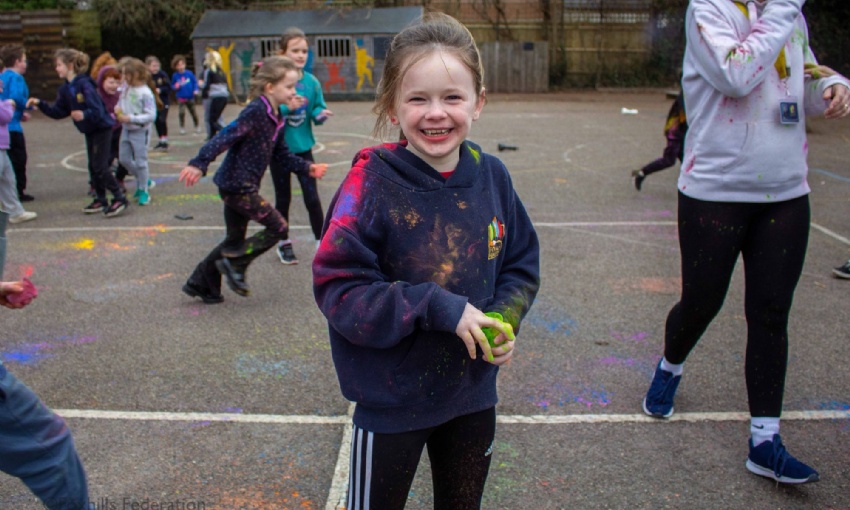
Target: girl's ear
482	98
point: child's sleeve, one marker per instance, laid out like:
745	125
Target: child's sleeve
358	299
318	105
17	90
92	100
225	139
7	111
60	108
166	85
518	280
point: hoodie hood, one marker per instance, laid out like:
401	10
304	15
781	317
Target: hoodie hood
109	100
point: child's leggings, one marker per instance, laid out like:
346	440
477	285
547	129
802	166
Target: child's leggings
98	146
772	238
133	154
161	122
181	112
238	211
673	150
281	178
383	465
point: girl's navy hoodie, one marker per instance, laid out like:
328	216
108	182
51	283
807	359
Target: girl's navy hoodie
79	94
403	251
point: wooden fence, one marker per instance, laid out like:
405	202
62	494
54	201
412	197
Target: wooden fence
42	33
515	66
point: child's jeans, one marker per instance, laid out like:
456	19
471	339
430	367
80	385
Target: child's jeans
36	446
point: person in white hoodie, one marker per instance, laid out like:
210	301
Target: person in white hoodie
136	112
743	190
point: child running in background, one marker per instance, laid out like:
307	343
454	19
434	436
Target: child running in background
162	89
250	140
307	108
15	87
185	86
422	237
214	91
675	130
9	200
136	111
78	98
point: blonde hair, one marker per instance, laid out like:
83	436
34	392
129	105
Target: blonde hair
134	70
75	60
213	60
150	59
432	32
269	70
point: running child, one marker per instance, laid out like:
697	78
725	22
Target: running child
675	130
308	108
422	238
78	98
162	87
185	86
136	112
250	140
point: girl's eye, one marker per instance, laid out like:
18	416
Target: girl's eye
454	98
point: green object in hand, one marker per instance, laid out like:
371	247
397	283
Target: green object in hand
492	333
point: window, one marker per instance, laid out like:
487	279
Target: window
269	47
333	47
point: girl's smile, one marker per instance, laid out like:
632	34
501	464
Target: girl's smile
437	105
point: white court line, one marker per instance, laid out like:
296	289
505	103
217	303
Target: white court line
338	491
539	419
830	233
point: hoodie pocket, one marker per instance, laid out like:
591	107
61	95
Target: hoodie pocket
724	145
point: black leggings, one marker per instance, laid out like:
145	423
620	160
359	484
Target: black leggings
772	238
309	188
383	465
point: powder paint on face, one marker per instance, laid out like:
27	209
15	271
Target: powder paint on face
32	353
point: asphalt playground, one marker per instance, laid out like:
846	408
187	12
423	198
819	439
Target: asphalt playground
179	405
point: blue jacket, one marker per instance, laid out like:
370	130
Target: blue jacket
250	140
79	94
15	87
403	251
185	85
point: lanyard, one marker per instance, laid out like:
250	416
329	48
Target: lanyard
749	10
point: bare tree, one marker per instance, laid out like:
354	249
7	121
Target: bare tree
494	13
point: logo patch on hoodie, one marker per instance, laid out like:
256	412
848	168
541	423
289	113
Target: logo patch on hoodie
495	236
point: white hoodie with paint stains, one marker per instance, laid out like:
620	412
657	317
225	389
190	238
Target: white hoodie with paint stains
736	149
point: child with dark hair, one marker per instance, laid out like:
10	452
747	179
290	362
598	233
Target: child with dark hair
163	89
185	86
250	140
674	130
15	87
307	108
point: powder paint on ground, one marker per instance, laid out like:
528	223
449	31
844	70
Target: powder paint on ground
560	395
187	197
543	319
249	365
32	353
671	286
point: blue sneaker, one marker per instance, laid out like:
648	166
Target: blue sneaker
770	459
658	402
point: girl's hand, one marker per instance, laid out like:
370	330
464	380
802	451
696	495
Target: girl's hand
323	115
190	175
33	101
296	102
317	170
9	288
469	330
123	119
839	102
77	115
503	353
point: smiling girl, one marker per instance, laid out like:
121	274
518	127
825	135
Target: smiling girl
422	238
